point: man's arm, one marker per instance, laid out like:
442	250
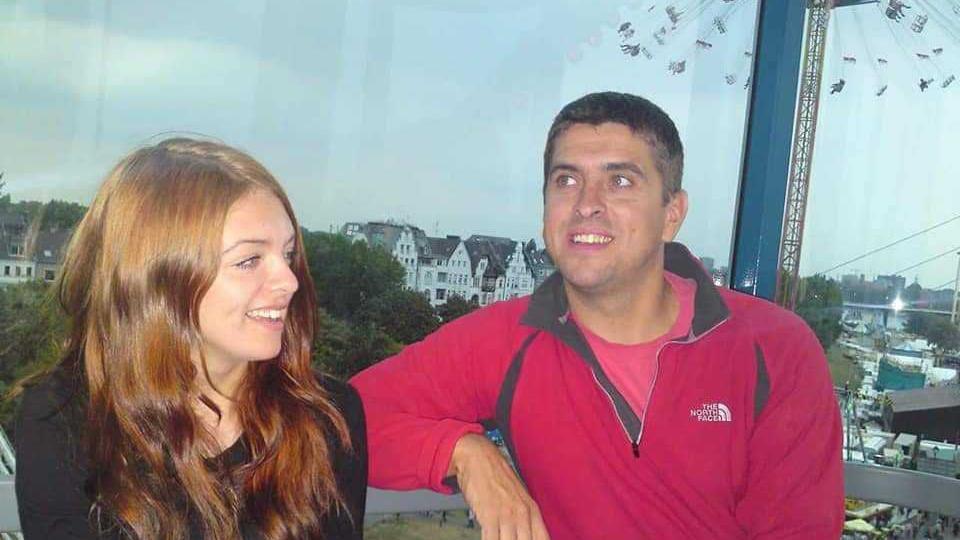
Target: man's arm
420	402
491	488
423	409
795	479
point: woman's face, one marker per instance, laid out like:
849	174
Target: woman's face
243	314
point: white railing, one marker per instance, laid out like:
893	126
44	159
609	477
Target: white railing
901	487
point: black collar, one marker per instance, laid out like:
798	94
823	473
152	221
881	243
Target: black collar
549	309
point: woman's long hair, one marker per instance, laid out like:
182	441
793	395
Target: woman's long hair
139	264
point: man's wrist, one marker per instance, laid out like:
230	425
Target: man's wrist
466	447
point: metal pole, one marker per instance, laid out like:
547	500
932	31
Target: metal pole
956	293
805	130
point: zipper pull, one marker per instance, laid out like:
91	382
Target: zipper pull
636	449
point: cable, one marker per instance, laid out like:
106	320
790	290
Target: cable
944	20
646	44
879	249
726	14
866	45
919	44
931	259
938	287
838	45
911	59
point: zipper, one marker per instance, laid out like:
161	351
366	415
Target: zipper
643	419
614	406
635	444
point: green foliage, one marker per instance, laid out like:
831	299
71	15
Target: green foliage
342	350
53	214
347	273
456	307
821	306
61	215
32	329
366	314
404	315
919	323
936	329
944	335
31	209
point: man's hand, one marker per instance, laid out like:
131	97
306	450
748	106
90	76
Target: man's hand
501	503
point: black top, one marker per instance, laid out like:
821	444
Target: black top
51	472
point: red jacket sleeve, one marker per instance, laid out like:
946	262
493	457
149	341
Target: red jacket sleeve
795	480
420	402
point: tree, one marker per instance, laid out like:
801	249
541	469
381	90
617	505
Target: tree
943	335
347	273
456	307
61	215
32	329
919	323
821	305
936	329
405	315
4	198
343	350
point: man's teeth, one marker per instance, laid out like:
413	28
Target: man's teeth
272	314
592	239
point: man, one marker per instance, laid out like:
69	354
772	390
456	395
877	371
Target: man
637	399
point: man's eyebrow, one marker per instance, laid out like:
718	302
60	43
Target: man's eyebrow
564	167
625	166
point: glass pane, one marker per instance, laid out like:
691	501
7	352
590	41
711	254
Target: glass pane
423	113
882	230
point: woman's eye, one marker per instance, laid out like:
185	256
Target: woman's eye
248	263
290	255
622	181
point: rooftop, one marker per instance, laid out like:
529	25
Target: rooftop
937	397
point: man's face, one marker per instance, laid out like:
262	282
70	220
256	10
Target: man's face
604	220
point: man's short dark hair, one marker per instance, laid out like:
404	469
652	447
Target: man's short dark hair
642	116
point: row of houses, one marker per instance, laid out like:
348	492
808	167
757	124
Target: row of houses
28	253
484	269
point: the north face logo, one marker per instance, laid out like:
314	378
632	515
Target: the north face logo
712	412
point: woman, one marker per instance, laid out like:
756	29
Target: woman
185	405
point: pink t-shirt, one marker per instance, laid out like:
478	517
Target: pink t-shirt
631	368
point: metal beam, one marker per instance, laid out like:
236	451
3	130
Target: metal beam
805	130
808	105
766	163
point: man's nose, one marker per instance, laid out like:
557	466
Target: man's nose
590	201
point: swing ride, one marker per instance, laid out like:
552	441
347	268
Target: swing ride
656	33
904	25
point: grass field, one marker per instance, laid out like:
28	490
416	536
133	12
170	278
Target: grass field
414	527
843	369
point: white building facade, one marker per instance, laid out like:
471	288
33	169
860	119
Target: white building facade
484	269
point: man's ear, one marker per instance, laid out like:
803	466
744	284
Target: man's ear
675	214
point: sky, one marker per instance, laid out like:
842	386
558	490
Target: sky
434	112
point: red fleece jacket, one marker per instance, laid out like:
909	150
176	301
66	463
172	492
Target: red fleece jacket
740	439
